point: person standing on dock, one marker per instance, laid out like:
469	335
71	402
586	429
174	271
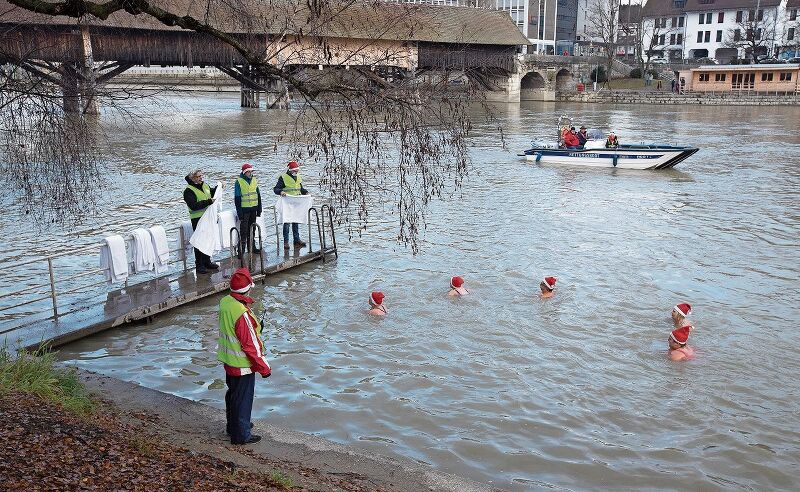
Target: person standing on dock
247	198
198	196
241	351
290	183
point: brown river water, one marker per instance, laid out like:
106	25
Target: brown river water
571	393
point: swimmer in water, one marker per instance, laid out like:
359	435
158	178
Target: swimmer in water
376	304
548	287
679	314
457	287
678	350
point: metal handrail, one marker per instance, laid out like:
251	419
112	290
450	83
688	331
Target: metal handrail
319	232
232	246
333	232
254	227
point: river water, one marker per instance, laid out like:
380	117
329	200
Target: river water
573	392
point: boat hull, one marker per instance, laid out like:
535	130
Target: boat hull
624	157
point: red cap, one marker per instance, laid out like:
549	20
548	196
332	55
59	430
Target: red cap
293	166
683	309
549	282
456	282
376	298
247	167
681	335
241	281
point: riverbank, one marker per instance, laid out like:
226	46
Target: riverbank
67	430
666	97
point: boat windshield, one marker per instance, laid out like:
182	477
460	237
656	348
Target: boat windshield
595	134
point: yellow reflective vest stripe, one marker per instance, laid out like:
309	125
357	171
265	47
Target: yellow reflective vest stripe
230	351
201	195
291	185
249	192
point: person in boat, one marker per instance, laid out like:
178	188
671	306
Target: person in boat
457	287
678	348
582	136
548	287
611	141
376	306
571	141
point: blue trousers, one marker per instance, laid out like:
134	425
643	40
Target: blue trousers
295	232
239	406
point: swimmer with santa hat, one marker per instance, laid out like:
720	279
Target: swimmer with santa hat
457	287
376	304
678	349
548	287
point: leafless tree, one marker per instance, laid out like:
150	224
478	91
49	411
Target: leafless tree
753	35
603	25
649	32
381	133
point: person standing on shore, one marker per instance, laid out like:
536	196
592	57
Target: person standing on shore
241	352
247	198
198	197
290	183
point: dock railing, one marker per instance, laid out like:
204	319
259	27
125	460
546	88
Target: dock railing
64	272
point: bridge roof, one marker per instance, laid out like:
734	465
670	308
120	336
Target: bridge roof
362	19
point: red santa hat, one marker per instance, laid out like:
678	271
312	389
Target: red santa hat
241	281
683	309
293	166
376	298
549	282
456	282
681	335
246	167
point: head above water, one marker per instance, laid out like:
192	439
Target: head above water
456	282
681	311
376	298
680	336
548	284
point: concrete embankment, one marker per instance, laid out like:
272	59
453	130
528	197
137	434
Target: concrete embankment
661	97
200	428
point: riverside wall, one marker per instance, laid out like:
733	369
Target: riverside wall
661	97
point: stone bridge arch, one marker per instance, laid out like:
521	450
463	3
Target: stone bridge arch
564	80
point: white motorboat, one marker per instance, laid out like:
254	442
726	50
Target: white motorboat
595	154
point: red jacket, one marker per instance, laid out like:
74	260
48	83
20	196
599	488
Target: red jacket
571	140
252	345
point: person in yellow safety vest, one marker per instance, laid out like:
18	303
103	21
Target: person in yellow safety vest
290	183
247	198
241	351
197	196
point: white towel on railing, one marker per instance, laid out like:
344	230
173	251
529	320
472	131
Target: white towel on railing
206	235
187	235
228	220
114	258
144	257
294	209
160	247
263	226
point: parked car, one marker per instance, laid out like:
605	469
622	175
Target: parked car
793	60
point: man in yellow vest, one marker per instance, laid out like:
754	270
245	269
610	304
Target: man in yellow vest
241	351
247	198
290	183
197	196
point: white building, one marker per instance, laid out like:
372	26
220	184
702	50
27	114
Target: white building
724	30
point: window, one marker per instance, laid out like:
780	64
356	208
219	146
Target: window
679	4
720	77
766	77
790	34
793	15
674	22
737	35
661	39
786	76
701	19
699	36
758	34
680	21
739	16
703	77
761	14
743	80
708	18
751	15
671	39
720	17
708	37
680	38
719	36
